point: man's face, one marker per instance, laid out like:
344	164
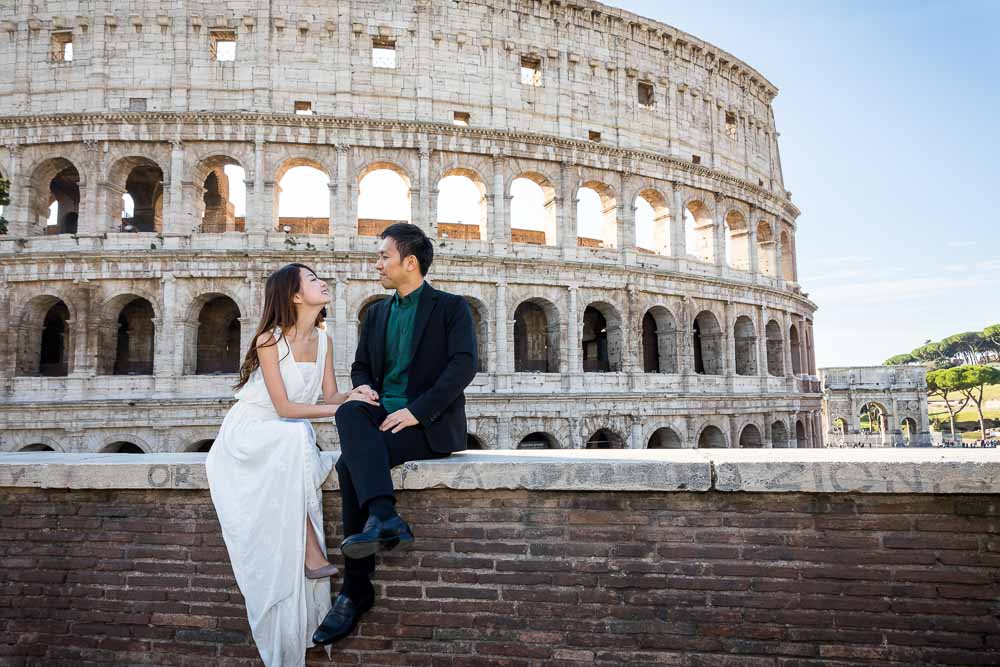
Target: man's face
393	271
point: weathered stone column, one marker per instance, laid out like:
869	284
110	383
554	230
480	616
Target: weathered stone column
752	250
678	236
343	223
729	345
762	371
175	219
503	434
166	342
498	226
504	362
342	356
566	209
423	191
573	352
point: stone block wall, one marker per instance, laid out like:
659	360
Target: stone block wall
652	562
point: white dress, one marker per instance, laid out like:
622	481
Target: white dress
265	473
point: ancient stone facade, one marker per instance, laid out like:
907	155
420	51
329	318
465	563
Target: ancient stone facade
125	320
875	406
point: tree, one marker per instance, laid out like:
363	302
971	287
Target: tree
973	380
991	338
942	383
899	359
4	201
968	346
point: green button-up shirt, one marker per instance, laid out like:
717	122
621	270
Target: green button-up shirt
399	349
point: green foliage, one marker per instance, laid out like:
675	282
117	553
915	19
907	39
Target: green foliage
969	381
900	359
4	201
967	348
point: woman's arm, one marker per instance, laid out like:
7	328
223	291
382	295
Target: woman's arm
330	394
267	353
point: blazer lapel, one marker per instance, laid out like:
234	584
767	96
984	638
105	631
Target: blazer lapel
378	339
427	300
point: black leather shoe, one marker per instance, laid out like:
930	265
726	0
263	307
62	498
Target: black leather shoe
378	535
341	619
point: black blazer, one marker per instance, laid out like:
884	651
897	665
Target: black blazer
443	364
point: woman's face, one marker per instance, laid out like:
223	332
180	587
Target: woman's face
312	290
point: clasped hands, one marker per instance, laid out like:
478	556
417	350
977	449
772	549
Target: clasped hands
395	422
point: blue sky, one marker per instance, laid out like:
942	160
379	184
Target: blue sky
888	113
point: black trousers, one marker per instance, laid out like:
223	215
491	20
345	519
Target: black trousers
366	456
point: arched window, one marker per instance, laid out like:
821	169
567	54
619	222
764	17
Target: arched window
750	437
473	442
56	206
302	197
664	438
652	223
536	337
461	206
533	210
707	344
123	447
746	346
793	338
659	341
36	447
873	418
605	439
383	198
779	435
480	320
737	241
765	249
711	438
538	440
218	341
601	339
775	349
800	435
223	182
840	426
202	446
140	207
596	216
131	350
44	339
908	426
698	232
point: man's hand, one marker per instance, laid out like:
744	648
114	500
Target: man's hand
399	420
364	393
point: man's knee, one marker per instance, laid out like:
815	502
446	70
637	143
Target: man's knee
350	412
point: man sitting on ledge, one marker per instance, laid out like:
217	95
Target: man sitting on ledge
417	351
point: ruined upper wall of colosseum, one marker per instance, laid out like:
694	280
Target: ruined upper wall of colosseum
641	84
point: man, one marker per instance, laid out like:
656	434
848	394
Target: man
416	355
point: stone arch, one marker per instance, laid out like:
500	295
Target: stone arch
469	219
473	441
376	211
873	417
605	218
481	321
699	230
55	180
737	239
539	222
203	445
712	437
215	211
801	441
750	437
908	427
779	435
775	349
45	338
606	438
127	335
708	344
659	341
840	425
141	179
787	258
765	249
652	226
307	222
37	447
213	330
664	438
536	336
601	338
745	335
538	440
122	447
794	343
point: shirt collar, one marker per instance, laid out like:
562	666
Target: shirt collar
410	299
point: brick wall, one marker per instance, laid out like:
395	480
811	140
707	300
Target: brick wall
528	578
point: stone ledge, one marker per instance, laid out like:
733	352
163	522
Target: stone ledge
937	471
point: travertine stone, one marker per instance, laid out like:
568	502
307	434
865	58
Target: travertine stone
939	471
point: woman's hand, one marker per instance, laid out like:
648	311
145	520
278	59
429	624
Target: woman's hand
365	394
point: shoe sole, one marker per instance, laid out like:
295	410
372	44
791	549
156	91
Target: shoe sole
360	549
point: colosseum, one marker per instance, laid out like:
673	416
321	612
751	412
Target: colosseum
625	238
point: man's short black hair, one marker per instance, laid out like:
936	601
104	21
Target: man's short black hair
411	240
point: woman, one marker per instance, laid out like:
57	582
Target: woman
264	470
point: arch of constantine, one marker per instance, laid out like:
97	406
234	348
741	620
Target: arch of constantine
650	299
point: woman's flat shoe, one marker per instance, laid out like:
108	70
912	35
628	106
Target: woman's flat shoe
323	572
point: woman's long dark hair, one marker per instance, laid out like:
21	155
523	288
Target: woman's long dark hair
279	311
